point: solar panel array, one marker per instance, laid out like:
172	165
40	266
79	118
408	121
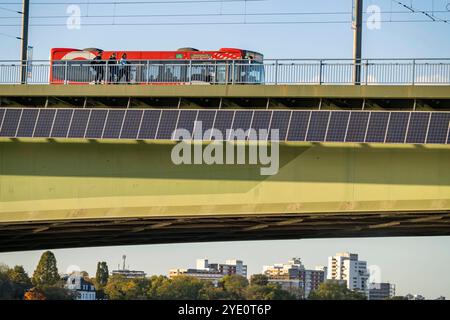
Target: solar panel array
150	124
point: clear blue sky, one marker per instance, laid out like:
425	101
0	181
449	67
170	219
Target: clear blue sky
416	265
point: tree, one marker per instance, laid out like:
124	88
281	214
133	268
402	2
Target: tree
58	293
181	288
20	280
34	294
155	282
259	279
102	275
235	285
121	288
46	273
267	292
333	290
6	287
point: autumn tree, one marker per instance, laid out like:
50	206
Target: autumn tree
34	294
46	273
121	288
181	288
334	290
259	279
235	286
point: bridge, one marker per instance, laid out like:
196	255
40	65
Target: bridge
90	165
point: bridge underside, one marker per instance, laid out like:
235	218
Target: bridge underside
58	193
134	231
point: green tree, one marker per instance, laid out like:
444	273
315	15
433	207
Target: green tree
20	280
235	285
211	292
58	293
259	279
6	287
155	282
181	288
121	288
46	273
268	292
333	290
102	275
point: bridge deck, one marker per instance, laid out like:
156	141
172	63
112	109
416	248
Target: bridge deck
231	91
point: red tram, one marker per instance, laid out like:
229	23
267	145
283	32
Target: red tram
186	65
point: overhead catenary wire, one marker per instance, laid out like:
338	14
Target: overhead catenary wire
132	2
11	10
429	14
213	23
208	15
10	36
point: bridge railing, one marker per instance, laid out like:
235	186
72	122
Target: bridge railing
271	72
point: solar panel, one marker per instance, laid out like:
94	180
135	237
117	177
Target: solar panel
280	122
357	126
298	125
27	122
149	124
96	124
397	127
338	126
317	126
167	124
438	130
10	122
206	117
377	127
131	124
223	122
79	122
2	114
61	124
186	121
113	124
242	122
44	123
261	121
417	129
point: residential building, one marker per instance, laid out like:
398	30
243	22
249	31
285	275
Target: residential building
293	276
76	282
212	271
346	266
208	275
380	291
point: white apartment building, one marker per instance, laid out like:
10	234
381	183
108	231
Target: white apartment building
346	267
212	271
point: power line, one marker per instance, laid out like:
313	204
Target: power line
207	15
426	13
214	23
11	10
10	36
133	2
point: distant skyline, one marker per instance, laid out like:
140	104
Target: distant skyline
416	265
